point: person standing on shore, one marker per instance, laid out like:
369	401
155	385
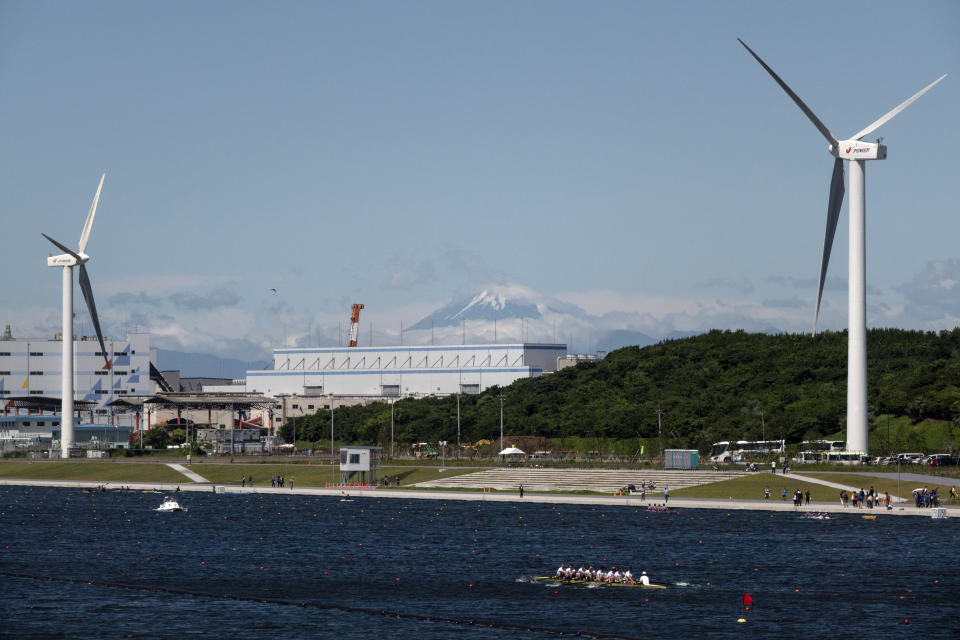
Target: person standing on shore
666	495
773	467
521	491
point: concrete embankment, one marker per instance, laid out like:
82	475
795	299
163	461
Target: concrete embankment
551	498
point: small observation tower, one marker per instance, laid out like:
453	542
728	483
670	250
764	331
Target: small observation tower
364	461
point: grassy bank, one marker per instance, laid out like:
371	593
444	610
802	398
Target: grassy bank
310	476
90	471
752	487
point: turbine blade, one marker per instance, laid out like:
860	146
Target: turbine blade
61	247
92	307
833	213
906	103
85	234
803	107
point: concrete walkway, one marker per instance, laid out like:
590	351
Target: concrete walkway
190	474
916	479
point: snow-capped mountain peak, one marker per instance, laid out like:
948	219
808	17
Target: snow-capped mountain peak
501	302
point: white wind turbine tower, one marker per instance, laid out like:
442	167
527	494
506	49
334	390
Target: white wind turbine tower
68	261
857	152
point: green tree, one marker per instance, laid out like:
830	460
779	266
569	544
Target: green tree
156	438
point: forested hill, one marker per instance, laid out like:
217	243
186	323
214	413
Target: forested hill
720	385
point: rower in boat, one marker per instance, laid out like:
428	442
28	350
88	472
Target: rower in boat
628	576
644	578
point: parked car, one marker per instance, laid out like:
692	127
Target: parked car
941	460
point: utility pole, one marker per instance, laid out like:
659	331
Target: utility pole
458	426
501	421
660	430
391	429
763	426
332	459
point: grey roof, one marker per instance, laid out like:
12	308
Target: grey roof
197	401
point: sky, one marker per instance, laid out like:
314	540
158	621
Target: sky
628	157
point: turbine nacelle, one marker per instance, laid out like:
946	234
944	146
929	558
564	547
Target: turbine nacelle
67	260
858	150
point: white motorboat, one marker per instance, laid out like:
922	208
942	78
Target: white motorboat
169	504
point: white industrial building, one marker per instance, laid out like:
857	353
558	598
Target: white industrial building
31	368
403	371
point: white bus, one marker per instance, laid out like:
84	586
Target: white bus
831	457
745	450
823	445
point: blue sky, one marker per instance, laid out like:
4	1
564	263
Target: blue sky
629	157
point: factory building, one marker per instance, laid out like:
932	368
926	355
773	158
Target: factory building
40	433
31	368
394	372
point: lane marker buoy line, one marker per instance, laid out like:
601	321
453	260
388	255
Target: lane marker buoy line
320	605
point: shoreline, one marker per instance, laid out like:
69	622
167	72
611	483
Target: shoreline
904	509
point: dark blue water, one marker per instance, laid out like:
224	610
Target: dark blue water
255	566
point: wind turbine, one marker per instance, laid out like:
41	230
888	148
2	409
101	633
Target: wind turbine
857	152
68	261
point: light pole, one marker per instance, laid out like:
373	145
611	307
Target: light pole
391	429
458	425
889	447
501	421
660	430
332	460
443	455
898	477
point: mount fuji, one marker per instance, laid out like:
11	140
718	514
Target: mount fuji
515	313
504	302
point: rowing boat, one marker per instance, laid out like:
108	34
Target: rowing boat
557	580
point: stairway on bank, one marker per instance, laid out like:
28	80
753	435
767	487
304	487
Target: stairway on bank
598	480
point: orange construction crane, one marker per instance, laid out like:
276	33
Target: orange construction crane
354	323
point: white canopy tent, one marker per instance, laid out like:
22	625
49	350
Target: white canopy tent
511	451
